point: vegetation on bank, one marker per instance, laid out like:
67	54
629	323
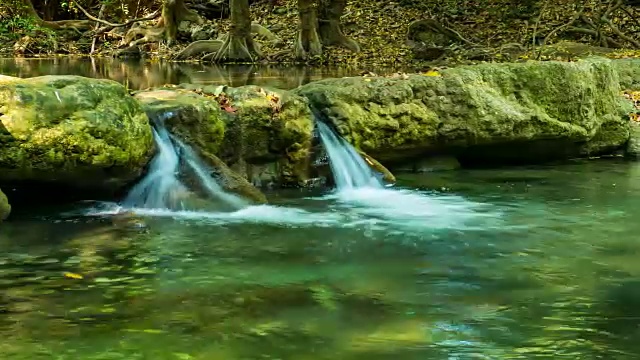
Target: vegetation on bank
394	32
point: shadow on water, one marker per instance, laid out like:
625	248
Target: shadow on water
142	74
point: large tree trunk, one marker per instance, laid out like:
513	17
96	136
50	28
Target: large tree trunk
173	13
308	42
238	45
329	26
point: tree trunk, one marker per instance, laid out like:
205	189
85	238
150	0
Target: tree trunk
25	9
238	45
308	42
329	27
173	13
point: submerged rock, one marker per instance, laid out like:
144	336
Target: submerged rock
5	207
263	135
482	114
86	134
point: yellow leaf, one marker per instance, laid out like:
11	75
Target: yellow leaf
71	275
432	73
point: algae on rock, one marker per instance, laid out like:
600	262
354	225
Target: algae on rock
5	207
263	135
72	131
270	127
198	121
498	113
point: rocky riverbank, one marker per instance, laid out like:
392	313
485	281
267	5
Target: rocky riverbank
93	137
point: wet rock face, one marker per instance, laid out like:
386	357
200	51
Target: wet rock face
488	113
264	135
71	131
5	208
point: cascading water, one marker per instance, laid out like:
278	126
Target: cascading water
349	168
360	192
202	173
161	188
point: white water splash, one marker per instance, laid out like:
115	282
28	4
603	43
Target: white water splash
349	169
359	191
203	172
161	188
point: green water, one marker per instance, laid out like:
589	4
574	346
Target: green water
486	264
516	263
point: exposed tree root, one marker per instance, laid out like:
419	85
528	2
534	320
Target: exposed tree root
235	49
208	49
238	45
329	26
201	47
143	35
65	24
263	32
308	42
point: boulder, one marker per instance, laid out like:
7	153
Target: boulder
263	135
71	131
629	73
5	208
632	150
482	114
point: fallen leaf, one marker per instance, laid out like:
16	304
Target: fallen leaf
71	275
431	73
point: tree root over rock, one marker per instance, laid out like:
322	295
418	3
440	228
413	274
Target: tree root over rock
199	48
208	49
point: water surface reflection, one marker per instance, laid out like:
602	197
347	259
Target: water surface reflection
556	278
140	74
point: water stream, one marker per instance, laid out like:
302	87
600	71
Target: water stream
518	263
162	189
349	169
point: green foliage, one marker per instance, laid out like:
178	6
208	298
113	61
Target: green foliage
18	25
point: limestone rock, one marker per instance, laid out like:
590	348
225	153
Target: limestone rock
633	146
71	131
5	208
487	113
629	73
263	135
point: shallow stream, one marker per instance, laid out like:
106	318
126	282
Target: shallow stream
518	263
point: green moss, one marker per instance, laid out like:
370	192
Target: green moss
470	106
628	72
195	118
271	126
72	129
5	208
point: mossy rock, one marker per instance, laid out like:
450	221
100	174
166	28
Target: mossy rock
500	113
190	116
270	126
5	207
628	72
249	128
71	131
199	121
632	149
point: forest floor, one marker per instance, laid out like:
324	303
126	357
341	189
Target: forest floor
495	31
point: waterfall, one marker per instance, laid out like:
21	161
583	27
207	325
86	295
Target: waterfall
161	188
202	173
349	169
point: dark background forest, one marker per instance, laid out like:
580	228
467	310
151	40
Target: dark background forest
326	31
